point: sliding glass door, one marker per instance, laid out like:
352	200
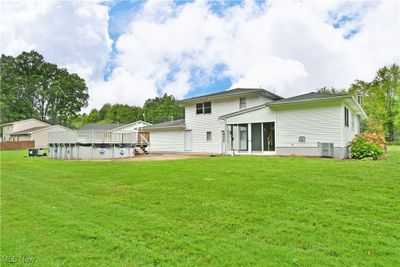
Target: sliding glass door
256	139
262	137
243	137
269	136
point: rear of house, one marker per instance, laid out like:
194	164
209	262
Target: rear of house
255	121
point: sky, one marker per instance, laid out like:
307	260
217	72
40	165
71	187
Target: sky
129	51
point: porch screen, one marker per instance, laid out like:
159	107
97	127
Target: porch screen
269	136
256	144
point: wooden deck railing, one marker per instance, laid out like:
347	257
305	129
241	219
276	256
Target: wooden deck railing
94	136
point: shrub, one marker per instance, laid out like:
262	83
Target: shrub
368	145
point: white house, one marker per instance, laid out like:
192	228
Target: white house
30	130
131	127
10	130
256	121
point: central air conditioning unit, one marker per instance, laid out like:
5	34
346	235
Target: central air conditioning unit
326	150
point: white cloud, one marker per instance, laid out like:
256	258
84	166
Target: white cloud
290	46
72	34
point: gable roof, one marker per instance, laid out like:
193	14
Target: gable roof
49	127
100	126
21	121
167	124
311	97
233	92
29	130
305	98
132	123
242	111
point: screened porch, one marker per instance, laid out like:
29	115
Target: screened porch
250	138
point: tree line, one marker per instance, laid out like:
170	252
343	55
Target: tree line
380	99
154	110
34	88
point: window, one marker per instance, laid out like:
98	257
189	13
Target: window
242	103
199	108
203	108
346	117
208	136
207	107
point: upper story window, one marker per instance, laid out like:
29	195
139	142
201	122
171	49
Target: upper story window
346	117
242	103
203	108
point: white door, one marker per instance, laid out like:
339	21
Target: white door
188	140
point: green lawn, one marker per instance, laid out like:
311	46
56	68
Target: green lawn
217	211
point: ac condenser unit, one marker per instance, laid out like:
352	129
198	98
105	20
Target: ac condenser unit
326	150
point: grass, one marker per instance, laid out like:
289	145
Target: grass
218	211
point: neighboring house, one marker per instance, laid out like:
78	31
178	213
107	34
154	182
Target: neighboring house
30	130
255	121
41	136
130	127
10	130
115	127
100	126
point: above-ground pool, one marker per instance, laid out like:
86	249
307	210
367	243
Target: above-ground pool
94	145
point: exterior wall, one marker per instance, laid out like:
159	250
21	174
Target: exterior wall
354	127
42	137
22	125
339	152
260	115
7	129
167	140
318	123
19	126
202	123
22	137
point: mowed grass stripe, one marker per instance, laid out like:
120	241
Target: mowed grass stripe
224	211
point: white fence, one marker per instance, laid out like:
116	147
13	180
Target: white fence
91	136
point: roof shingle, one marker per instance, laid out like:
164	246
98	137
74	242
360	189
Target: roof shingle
310	96
167	124
100	126
236	91
29	130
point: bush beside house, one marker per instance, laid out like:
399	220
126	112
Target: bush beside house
368	145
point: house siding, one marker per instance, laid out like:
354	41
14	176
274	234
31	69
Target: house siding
318	123
202	123
19	126
42	137
167	140
264	114
349	132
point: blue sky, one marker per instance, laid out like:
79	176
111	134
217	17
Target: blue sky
129	51
121	13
